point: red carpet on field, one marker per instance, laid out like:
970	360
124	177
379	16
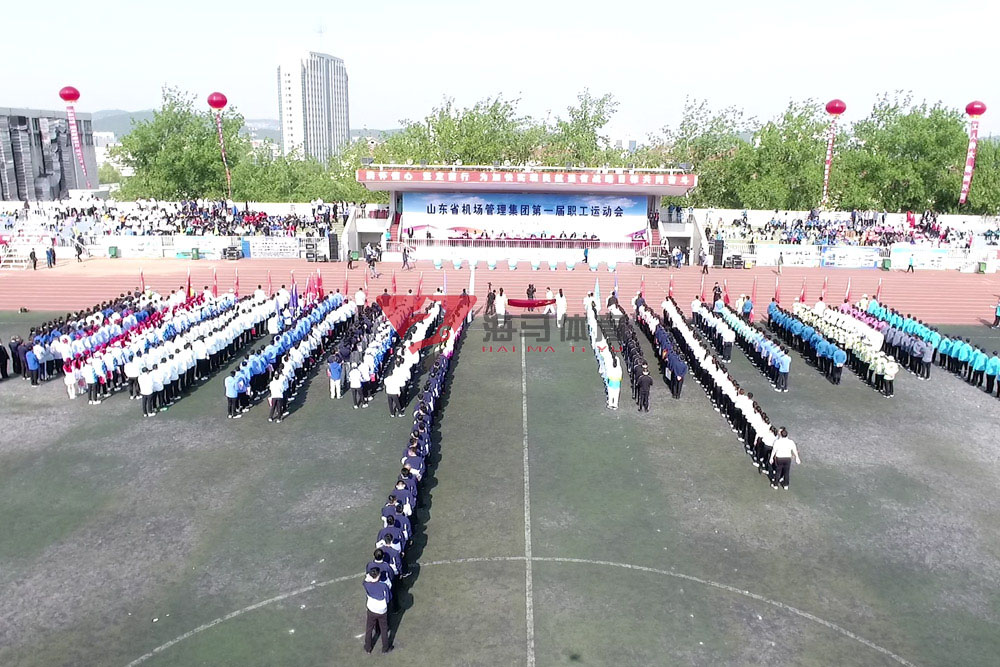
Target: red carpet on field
938	297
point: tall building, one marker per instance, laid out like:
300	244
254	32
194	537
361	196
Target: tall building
312	105
37	162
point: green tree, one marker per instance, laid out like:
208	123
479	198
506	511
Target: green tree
903	157
577	137
782	167
107	173
706	142
984	194
176	154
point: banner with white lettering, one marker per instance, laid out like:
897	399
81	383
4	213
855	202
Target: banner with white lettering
524	215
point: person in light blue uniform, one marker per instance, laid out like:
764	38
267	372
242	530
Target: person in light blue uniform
992	369
232	396
978	364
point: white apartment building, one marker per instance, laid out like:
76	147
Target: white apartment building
313	105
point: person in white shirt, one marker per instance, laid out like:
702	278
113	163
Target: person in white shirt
550	309
561	307
393	384
359	298
501	306
782	453
277	399
354	380
614	376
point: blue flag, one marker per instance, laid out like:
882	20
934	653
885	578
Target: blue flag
597	293
294	301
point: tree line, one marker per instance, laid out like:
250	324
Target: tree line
902	156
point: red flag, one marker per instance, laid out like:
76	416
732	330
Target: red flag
394	290
236	284
878	291
319	284
670	288
215	282
847	294
725	291
142	281
189	292
777	292
366	283
822	295
270	290
420	283
702	297
802	294
753	298
346	287
642	285
309	288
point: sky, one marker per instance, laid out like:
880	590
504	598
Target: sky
405	57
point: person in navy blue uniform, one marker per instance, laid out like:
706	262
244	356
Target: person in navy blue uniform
379	595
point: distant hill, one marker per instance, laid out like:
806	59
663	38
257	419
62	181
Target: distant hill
120	122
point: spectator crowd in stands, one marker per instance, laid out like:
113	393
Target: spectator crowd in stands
858	228
195	217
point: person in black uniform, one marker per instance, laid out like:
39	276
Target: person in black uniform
15	360
3	362
644	383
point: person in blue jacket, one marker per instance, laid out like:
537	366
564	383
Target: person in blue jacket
944	352
33	366
232	396
978	364
964	354
991	370
839	359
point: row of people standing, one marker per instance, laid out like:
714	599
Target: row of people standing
407	356
671	359
769	448
635	362
389	560
282	366
608	365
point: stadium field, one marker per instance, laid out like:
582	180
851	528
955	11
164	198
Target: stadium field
552	530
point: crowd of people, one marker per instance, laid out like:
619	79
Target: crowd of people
389	563
296	346
197	217
857	228
157	348
917	346
769	448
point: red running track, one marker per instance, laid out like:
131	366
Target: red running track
937	297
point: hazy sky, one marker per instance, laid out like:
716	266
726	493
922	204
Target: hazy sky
403	57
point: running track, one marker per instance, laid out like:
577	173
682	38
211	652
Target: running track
939	297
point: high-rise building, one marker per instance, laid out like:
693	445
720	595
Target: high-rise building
312	105
37	162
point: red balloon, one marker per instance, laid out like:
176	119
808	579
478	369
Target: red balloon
69	94
976	108
836	107
217	101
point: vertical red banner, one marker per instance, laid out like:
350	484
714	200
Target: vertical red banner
74	135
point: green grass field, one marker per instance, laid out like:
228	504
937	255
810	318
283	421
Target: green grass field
653	540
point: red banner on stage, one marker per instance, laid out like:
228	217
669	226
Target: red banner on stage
530	303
